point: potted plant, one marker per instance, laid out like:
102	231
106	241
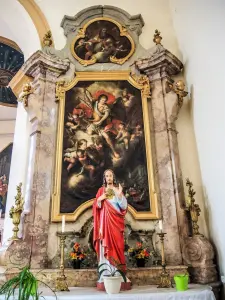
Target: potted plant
139	254
77	256
112	280
23	286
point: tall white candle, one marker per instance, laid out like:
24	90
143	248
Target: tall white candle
63	223
160	225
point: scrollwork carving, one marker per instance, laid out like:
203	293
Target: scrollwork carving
143	81
198	254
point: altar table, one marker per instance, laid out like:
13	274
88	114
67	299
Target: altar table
195	292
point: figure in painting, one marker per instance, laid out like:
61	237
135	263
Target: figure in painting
102	40
109	210
3	193
101	122
123	135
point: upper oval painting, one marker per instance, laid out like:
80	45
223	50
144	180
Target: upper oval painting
102	40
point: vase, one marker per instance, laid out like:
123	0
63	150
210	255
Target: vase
140	263
112	284
76	264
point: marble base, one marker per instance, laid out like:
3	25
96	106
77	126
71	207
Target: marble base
125	286
89	277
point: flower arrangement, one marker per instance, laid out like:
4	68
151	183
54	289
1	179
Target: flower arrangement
77	255
139	254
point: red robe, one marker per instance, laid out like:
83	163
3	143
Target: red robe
112	235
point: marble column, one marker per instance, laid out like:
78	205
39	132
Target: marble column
42	111
164	109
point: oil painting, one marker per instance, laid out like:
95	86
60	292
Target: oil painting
5	162
103	41
103	124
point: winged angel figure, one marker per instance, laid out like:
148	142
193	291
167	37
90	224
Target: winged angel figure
101	122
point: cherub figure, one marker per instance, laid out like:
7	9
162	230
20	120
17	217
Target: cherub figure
23	97
81	156
138	132
123	135
101	121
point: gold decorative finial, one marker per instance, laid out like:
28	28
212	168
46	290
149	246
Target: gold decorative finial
157	37
47	39
192	207
26	91
178	88
15	212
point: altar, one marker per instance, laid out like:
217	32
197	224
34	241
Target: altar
195	292
104	102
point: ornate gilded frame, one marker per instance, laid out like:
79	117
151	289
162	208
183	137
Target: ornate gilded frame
81	34
139	82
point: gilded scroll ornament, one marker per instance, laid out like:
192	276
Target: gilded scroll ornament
143	81
16	211
26	91
60	93
193	208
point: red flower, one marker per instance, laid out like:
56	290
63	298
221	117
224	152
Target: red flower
139	245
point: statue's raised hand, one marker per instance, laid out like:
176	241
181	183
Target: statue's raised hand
120	189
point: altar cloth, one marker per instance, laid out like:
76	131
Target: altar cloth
195	292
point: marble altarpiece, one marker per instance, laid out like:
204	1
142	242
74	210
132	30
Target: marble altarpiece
103	57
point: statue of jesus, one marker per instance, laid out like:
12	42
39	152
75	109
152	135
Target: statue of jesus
109	210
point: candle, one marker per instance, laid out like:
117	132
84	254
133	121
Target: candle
160	225
63	223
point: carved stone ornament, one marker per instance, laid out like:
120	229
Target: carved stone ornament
198	254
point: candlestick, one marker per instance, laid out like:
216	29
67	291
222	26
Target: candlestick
165	281
63	223
160	225
61	284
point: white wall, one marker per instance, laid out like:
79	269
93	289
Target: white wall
200	31
16	24
6	132
156	14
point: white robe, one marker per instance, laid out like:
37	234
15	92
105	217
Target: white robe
118	204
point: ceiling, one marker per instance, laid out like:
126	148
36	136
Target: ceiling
11	60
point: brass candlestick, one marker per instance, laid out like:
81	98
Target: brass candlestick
61	284
165	281
16	211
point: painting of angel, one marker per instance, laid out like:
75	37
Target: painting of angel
103	128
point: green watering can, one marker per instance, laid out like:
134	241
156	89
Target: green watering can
181	281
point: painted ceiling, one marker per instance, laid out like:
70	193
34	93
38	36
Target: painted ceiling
11	60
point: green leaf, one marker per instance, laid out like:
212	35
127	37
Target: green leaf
100	273
122	274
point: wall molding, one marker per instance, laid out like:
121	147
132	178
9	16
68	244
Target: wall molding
37	16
